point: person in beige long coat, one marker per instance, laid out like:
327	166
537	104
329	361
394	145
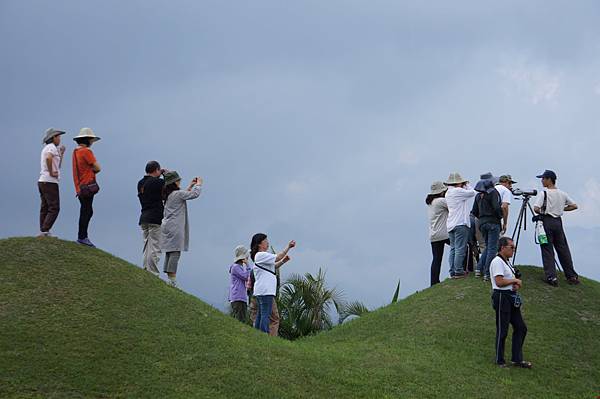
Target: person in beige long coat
175	229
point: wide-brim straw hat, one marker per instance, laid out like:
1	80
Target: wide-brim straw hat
241	253
86	132
455	178
438	187
171	177
51	133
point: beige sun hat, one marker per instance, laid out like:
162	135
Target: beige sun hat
51	133
87	132
241	253
455	178
438	187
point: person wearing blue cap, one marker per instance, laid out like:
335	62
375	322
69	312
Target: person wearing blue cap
551	204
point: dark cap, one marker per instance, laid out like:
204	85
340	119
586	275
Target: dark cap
507	179
548	174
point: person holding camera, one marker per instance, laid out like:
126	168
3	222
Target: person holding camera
458	223
51	162
85	169
175	228
265	286
149	191
488	211
506	302
550	204
437	210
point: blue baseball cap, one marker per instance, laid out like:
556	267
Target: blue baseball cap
548	174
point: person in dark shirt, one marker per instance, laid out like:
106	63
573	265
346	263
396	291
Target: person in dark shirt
150	195
488	209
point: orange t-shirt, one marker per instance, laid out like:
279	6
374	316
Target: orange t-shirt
84	159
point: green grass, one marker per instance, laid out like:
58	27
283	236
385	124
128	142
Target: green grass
78	322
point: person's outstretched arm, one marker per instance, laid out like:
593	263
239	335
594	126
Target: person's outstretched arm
282	254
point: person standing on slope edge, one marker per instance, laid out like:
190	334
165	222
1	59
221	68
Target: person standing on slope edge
175	229
506	301
459	222
239	273
150	195
51	162
85	169
437	210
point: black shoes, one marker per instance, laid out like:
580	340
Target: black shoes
553	281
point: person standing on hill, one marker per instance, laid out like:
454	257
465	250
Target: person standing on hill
150	195
437	210
550	205
506	302
504	188
51	162
459	222
487	208
175	228
85	169
265	286
239	272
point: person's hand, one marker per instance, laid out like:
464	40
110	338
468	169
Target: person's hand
517	285
199	181
286	259
62	149
54	173
292	244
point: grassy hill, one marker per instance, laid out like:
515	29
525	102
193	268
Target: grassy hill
77	322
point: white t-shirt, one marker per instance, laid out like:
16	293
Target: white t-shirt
557	200
50	149
499	268
266	283
459	207
438	216
505	194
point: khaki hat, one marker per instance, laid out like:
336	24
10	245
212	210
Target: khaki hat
51	133
86	132
455	178
438	187
507	179
171	177
241	253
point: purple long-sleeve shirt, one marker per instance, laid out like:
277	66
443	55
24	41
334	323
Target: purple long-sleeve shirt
237	288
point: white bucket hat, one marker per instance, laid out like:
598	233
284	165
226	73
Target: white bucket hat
455	178
241	253
437	187
51	133
87	132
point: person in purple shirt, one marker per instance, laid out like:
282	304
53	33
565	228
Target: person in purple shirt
239	273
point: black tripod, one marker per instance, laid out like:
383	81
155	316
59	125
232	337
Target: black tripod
522	225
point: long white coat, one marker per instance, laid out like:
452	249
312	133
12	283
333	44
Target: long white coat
175	229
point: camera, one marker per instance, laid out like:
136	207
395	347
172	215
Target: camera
517	273
524	193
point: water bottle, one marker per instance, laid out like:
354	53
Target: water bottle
541	233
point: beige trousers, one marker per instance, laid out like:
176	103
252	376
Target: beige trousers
151	234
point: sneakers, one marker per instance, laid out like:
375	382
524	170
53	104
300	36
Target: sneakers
172	283
45	234
486	277
87	242
573	281
459	276
553	281
477	273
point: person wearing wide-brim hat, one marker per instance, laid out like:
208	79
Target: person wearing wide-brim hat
239	272
437	210
459	221
51	162
85	169
175	230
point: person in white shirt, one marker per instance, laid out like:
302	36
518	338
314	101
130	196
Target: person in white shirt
51	162
551	204
265	286
506	302
458	224
504	188
437	210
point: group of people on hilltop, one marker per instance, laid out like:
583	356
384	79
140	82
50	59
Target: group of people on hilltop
85	169
459	215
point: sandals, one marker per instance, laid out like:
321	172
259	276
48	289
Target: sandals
523	364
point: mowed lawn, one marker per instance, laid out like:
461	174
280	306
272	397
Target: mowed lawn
77	322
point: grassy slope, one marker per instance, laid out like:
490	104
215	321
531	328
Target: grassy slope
78	322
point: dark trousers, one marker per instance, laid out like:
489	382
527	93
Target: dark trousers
85	214
50	205
507	314
556	241
437	250
239	309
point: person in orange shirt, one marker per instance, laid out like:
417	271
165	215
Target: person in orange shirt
85	169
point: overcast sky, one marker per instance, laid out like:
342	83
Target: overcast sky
323	122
